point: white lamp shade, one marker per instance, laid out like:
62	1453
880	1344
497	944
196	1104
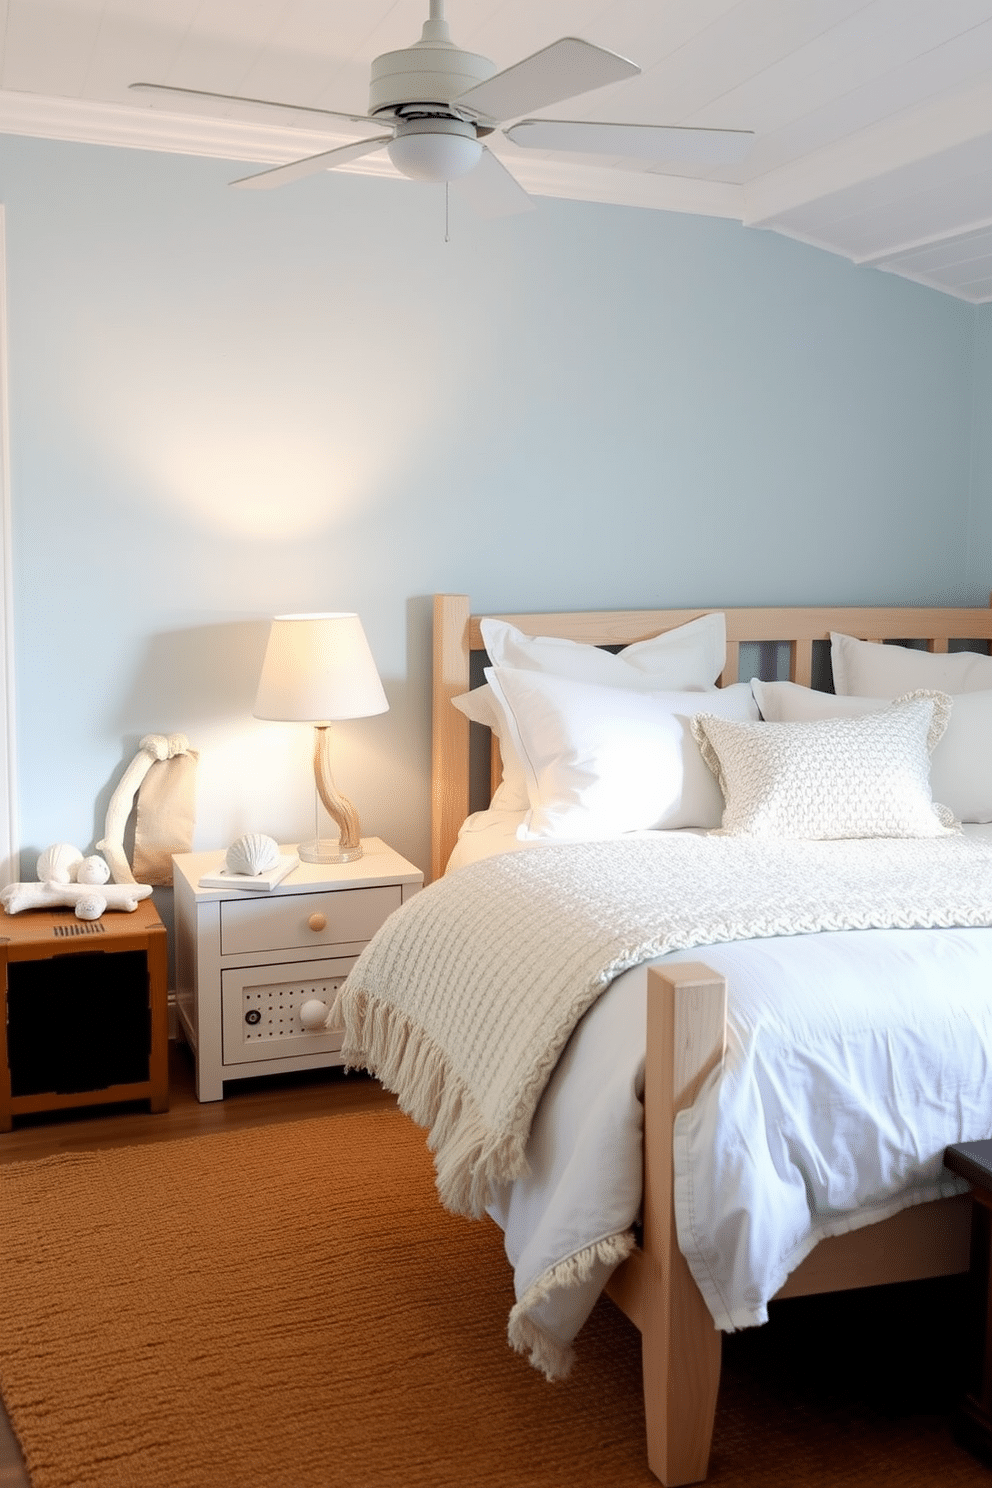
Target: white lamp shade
317	669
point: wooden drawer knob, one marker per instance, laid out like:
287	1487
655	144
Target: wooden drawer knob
317	922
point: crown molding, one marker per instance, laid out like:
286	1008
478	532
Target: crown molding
82	121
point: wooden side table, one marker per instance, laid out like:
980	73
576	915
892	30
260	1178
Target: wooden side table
85	1011
973	1160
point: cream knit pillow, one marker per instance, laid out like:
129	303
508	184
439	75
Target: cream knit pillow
961	764
831	777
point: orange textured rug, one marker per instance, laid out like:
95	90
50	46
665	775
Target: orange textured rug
289	1307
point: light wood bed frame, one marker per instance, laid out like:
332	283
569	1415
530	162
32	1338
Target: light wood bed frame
686	1024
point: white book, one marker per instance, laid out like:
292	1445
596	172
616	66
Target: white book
254	883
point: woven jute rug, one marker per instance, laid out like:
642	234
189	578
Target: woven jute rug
289	1307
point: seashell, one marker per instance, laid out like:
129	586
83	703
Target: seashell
252	854
58	864
93	870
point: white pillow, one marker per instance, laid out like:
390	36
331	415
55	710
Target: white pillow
690	657
961	764
868	669
600	761
831	777
480	706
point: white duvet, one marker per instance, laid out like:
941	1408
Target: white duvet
854	1058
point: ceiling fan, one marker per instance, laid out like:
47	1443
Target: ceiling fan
436	104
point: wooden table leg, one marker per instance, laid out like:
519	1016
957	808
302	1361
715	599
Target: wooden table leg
158	997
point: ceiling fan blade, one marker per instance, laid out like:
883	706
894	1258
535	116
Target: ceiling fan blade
657	142
491	191
281	175
197	100
562	70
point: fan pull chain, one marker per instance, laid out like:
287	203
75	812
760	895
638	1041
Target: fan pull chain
446	185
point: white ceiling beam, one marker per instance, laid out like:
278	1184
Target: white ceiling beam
905	139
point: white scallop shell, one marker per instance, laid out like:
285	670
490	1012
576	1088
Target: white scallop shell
252	854
58	864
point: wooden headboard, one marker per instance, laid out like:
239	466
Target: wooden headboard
457	636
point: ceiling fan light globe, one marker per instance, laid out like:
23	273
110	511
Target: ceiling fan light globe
434	156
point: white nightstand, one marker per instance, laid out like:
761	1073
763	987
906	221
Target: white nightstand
246	962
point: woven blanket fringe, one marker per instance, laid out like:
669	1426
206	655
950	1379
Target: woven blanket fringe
548	1354
468	1159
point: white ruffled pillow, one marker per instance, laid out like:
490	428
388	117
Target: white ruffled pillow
870	669
961	764
832	777
601	761
688	658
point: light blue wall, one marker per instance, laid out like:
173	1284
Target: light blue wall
980	555
227	405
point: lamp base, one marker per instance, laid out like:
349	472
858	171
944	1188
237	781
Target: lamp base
324	850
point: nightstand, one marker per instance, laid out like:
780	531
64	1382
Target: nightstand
247	961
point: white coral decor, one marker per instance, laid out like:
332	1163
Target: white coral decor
68	880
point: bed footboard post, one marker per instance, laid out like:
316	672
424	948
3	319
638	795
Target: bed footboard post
686	1032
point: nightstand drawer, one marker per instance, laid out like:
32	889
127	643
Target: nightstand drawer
261	1009
297	921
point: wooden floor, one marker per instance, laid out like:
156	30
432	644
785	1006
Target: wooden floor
246	1103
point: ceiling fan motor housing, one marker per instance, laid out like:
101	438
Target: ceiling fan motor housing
430	71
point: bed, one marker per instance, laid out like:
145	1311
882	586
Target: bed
687	1000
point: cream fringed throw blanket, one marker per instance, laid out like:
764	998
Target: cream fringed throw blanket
463	1002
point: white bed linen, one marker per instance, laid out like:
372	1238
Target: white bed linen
854	1059
485	833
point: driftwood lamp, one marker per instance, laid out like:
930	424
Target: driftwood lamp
318	669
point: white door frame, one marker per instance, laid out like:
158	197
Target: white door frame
9	867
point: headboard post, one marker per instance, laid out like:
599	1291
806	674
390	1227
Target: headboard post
801	662
449	785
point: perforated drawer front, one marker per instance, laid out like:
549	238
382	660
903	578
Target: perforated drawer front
261	1009
293	921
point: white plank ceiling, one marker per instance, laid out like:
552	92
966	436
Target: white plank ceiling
873	118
